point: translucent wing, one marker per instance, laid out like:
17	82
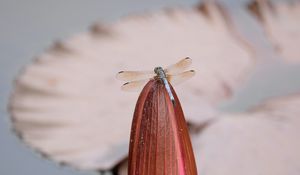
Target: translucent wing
135	75
179	67
134	85
179	78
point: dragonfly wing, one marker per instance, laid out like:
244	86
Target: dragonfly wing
134	75
179	66
134	85
179	78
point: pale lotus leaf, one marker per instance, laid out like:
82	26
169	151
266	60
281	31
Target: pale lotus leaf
264	140
68	104
280	21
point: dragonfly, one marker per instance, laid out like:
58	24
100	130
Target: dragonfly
173	74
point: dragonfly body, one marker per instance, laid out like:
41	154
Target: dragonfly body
163	77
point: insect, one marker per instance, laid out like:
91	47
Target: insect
174	74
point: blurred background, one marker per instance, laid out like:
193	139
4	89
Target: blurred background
27	28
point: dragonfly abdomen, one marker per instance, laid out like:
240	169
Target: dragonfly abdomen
167	86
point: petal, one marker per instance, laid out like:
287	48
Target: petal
159	142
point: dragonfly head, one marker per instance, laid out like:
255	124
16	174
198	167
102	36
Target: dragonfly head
157	70
160	72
